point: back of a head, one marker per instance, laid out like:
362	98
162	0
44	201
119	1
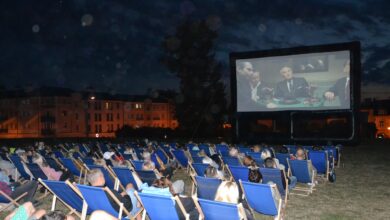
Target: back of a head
227	192
148	165
211	172
269	163
94	176
265	154
248	161
233	152
54	215
254	176
318	148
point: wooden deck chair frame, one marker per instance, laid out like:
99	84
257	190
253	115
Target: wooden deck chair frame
240	209
177	200
280	203
55	197
11	200
306	191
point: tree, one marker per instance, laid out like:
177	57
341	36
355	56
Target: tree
189	54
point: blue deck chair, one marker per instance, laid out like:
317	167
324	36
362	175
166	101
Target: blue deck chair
162	155
320	161
206	148
83	149
58	154
213	210
76	155
282	157
181	157
127	156
222	149
4	156
125	176
67	194
96	199
194	153
274	175
52	163
254	155
197	159
153	157
19	166
139	152
159	207
238	172
36	171
261	199
71	166
137	164
206	188
300	169
109	182
87	160
8	201
232	161
199	168
147	176
244	149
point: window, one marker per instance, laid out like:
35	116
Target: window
88	116
381	124
64	113
77	116
118	116
117	106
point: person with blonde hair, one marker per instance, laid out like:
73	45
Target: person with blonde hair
228	192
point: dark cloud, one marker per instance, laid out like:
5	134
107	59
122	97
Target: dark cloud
117	44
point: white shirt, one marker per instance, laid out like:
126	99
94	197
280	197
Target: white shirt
254	95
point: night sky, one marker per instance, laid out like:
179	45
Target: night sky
115	46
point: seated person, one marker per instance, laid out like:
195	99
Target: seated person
266	153
26	211
96	178
165	187
291	180
254	175
233	152
249	162
228	192
178	185
15	189
212	172
291	87
51	173
301	155
341	87
256	148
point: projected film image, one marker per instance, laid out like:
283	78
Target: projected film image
316	81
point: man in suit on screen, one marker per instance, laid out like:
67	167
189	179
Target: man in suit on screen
291	87
341	88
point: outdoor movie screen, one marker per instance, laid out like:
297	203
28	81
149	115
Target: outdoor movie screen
312	81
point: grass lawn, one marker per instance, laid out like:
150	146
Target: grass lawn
361	191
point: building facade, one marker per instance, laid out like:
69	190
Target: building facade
57	112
